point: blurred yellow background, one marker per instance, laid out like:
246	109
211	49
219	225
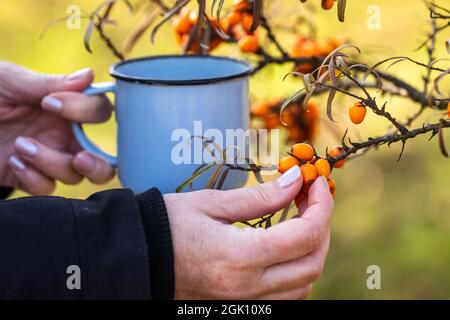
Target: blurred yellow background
392	214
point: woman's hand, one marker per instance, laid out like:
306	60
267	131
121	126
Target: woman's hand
217	260
36	142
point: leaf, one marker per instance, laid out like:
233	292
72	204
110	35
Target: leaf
198	27
336	51
213	179
268	222
169	14
194	177
145	22
292	98
195	171
439	79
442	146
222	178
88	35
258	175
341	10
330	99
257	11
284	214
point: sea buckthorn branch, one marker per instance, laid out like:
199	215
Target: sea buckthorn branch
370	102
391	138
98	21
272	37
413	93
436	13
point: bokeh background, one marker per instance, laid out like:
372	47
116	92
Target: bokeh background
392	214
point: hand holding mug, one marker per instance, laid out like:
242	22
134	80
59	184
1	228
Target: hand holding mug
37	144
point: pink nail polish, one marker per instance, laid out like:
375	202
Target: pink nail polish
16	163
289	177
52	104
25	146
78	74
84	162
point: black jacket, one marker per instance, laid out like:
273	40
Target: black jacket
120	242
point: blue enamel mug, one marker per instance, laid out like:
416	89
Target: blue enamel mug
158	96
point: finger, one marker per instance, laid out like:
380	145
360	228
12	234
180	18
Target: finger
31	86
302	207
320	201
293	238
262	199
51	163
96	169
296	294
296	273
78	107
31	180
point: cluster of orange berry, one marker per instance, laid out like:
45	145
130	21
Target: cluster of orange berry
326	4
237	24
311	166
301	123
182	26
308	48
240	21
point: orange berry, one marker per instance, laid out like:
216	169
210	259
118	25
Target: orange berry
357	112
249	44
323	168
324	48
234	18
260	109
240	5
327	4
296	135
336	42
247	21
272	121
306	48
332	186
223	25
178	37
193	17
182	24
311	113
214	43
286	163
448	110
303	151
335	152
304	68
309	173
303	194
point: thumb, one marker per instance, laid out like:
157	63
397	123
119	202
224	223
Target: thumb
32	87
250	203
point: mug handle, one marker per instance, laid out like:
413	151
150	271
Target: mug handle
80	135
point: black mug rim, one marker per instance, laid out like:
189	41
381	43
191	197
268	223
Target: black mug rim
120	76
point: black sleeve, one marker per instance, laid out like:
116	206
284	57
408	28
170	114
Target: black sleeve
117	240
5	192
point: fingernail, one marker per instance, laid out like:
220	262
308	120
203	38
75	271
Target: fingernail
16	163
78	74
25	146
289	177
51	104
84	162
